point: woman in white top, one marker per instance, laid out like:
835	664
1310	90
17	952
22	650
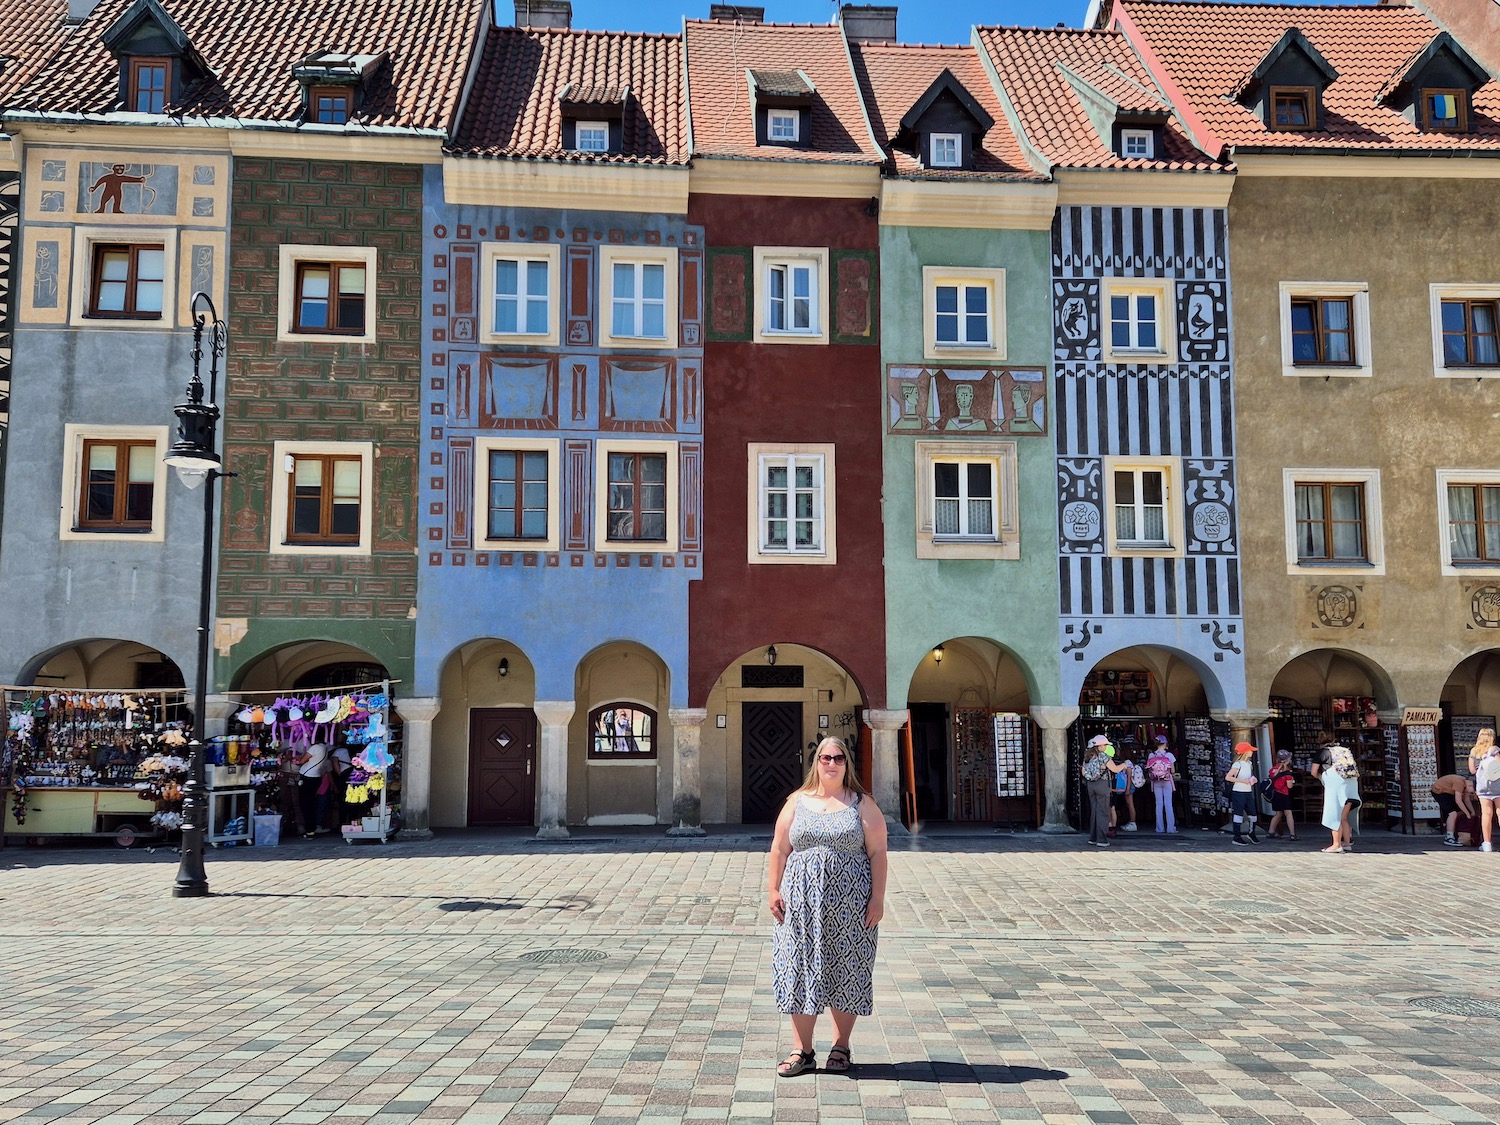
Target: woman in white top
1484	764
1242	797
311	768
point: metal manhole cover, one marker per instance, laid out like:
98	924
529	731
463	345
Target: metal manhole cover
1248	906
563	956
1458	1006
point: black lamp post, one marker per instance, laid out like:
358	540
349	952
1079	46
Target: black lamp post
197	463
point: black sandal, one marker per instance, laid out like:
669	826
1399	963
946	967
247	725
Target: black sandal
798	1062
840	1061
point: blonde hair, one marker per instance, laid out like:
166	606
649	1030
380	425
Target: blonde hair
851	771
1485	740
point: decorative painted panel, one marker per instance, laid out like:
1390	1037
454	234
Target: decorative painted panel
729	295
966	400
518	391
854	290
10	202
637	394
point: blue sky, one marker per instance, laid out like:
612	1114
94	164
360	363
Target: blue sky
918	21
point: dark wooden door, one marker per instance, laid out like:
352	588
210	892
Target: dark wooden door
773	762
502	766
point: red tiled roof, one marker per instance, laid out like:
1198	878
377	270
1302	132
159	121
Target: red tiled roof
1032	64
30	33
1207	49
894	76
1121	89
513	109
251	46
720	53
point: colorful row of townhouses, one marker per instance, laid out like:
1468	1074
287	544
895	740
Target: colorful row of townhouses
646	407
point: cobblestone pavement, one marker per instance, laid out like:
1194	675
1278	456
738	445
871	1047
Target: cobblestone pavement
1027	979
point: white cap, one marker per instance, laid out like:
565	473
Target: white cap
1099	740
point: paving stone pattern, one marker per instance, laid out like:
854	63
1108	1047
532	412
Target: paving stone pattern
1020	979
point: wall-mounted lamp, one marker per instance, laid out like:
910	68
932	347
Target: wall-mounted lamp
937	655
771	655
504	668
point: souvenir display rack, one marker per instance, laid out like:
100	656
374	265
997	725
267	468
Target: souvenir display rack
1115	692
81	762
1463	732
269	729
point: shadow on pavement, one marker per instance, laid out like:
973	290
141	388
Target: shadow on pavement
981	1075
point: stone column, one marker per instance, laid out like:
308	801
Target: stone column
1242	723
885	765
1055	722
687	783
216	712
552	768
417	714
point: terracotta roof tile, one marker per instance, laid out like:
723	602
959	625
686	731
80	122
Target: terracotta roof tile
31	31
894	76
1033	66
1207	49
514	110
251	46
1121	89
719	55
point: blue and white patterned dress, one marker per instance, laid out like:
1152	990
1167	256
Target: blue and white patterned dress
823	954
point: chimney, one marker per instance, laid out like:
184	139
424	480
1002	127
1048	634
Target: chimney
732	13
867	23
541	13
79	10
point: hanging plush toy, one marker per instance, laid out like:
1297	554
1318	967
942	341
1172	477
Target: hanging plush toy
376	756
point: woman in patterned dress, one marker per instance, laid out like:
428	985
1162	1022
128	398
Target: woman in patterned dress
828	867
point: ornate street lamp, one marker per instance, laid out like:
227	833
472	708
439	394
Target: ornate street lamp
197	462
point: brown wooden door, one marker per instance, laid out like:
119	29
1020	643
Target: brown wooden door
771	757
502	766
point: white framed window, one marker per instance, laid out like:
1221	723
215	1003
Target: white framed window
1333	522
114	483
1143	506
792	504
1137	144
1325	329
321	499
967	504
791	303
1465	331
782	126
945	150
517	494
636	497
963	312
638	300
591	136
520	293
1469	520
124	278
326	294
1139	321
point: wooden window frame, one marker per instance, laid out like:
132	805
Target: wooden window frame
134	88
1479	523
519	509
1425	122
796	117
963	536
596	756
345	93
1129	134
119	521
792	462
332	328
96	269
934	139
1469	334
1005	543
637	485
325	536
1139	507
1309	95
578	129
1320	330
1327	523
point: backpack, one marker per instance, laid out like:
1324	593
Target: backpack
1137	775
1489	770
1343	762
1160	766
1093	769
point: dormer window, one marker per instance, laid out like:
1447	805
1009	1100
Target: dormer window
333	83
1137	144
329	105
782	102
1292	107
1445	111
781	126
946	150
591	136
149	83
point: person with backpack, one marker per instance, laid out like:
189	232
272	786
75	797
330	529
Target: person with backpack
1484	764
1161	769
1241	778
1122	803
1098	764
1336	769
1279	790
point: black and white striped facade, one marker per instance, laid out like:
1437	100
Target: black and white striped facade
1184	410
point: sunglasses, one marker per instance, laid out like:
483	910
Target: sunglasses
832	759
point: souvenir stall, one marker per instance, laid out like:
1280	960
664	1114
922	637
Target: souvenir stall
1353	721
255	776
93	763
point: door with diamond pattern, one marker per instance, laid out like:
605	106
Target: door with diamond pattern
502	766
772	758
